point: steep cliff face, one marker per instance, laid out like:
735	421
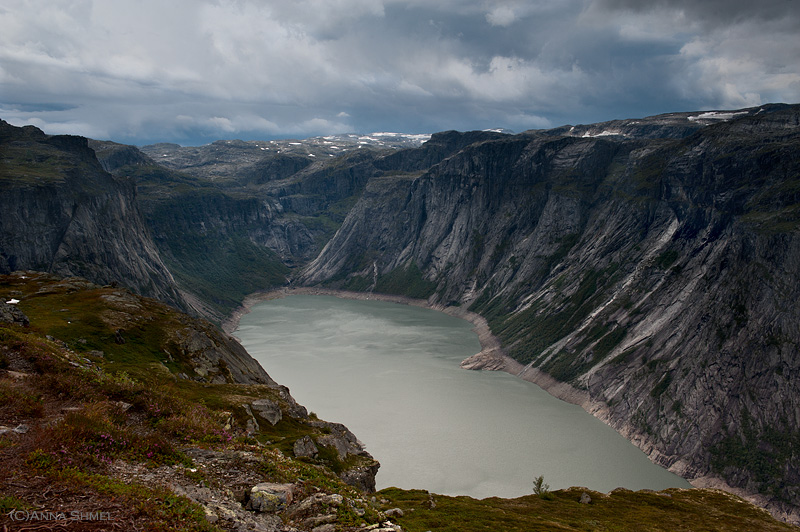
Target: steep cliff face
60	212
225	228
655	273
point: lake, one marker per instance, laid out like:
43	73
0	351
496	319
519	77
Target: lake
390	373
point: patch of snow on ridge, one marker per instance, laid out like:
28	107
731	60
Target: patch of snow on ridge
604	133
717	115
412	137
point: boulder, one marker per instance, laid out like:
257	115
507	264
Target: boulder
266	409
9	313
269	497
363	477
315	504
252	424
305	447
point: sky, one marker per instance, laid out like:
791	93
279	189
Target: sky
194	71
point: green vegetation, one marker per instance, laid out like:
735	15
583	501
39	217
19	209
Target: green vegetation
529	332
659	389
566	243
609	342
34	164
539	486
667	259
621	510
406	281
223	270
765	452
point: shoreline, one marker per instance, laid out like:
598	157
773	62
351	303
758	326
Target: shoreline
492	357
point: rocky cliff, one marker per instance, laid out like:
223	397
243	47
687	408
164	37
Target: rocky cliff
651	265
60	212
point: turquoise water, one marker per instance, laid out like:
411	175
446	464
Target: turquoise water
391	373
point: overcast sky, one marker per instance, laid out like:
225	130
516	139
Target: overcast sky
193	71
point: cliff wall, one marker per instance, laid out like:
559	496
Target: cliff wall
60	212
653	274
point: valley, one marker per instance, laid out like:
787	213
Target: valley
644	269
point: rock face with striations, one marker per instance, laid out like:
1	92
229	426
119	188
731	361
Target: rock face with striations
60	212
646	270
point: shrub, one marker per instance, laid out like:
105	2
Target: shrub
539	486
18	403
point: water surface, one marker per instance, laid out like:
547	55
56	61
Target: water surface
391	373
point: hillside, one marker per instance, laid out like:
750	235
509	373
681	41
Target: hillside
116	403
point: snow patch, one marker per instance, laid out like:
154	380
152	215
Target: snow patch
604	133
12	301
716	115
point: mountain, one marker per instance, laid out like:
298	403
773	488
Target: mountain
234	217
645	269
60	212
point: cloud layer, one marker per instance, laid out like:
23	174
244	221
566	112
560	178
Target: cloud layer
192	71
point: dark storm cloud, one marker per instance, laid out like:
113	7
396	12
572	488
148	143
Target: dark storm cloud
194	71
713	13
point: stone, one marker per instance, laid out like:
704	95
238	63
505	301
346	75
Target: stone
252	425
318	520
269	497
22	428
305	447
585	498
325	528
314	505
123	405
362	477
266	409
9	313
394	512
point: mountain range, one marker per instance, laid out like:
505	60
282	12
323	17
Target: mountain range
645	269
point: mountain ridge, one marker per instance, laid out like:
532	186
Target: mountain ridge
647	264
